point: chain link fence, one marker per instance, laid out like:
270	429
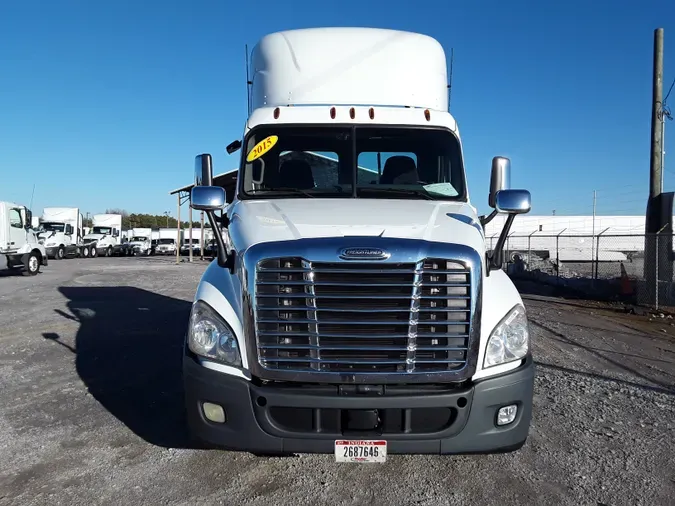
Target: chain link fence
605	266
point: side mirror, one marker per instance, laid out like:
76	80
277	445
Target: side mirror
116	233
29	220
207	198
203	170
513	201
500	178
233	146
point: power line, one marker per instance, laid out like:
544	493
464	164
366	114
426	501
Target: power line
669	90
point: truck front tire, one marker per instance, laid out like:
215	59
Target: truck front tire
93	253
60	253
31	263
109	251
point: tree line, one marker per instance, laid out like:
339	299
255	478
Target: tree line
140	220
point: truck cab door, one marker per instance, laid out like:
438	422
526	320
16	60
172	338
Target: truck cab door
17	231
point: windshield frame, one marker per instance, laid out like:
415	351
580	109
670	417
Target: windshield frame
462	193
94	231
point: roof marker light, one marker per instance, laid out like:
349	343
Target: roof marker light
371	113
427	114
276	113
352	113
332	113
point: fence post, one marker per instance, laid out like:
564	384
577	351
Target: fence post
529	248
656	284
657	257
557	256
597	253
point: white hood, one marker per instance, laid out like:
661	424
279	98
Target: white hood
289	219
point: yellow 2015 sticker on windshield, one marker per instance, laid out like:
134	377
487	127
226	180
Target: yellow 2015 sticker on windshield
261	148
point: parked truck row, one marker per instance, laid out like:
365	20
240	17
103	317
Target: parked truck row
30	241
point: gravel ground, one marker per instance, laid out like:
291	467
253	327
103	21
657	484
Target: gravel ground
90	408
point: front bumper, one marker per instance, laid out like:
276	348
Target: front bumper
304	419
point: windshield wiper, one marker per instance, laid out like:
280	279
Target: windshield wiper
282	189
401	191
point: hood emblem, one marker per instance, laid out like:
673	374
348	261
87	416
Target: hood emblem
364	254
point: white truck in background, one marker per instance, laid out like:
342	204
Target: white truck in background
167	241
61	232
104	237
356	310
18	241
140	242
193	241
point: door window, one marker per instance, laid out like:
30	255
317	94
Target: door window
15	218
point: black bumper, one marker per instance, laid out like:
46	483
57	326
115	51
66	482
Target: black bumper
51	251
313	417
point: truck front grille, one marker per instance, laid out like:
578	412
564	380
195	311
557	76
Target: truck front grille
362	317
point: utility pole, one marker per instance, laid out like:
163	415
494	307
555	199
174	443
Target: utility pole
655	159
595	195
658	220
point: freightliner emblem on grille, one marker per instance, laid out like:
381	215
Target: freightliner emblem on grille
363	254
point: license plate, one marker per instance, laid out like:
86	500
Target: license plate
361	451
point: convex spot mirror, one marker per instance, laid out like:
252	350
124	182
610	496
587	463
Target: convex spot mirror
500	178
207	198
513	201
203	170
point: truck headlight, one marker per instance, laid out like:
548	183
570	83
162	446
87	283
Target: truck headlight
209	336
510	340
50	244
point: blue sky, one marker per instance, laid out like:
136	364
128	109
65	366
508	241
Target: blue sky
104	104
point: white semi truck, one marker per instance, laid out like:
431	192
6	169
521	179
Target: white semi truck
356	311
61	232
18	242
140	242
167	241
104	237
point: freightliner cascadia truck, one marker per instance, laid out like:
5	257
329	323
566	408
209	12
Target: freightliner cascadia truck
355	309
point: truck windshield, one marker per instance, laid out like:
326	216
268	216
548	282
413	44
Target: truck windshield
320	161
52	227
166	241
138	238
102	230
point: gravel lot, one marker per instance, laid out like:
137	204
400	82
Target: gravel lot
90	408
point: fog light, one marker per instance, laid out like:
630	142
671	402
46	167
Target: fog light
507	414
213	412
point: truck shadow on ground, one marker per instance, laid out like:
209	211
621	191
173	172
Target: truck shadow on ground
128	353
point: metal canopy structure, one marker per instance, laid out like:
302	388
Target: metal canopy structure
227	180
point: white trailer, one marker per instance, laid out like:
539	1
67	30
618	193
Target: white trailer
18	241
358	312
61	232
104	238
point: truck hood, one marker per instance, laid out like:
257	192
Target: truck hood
253	222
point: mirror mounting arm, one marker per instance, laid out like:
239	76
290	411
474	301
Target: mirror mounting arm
484	220
496	259
225	259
